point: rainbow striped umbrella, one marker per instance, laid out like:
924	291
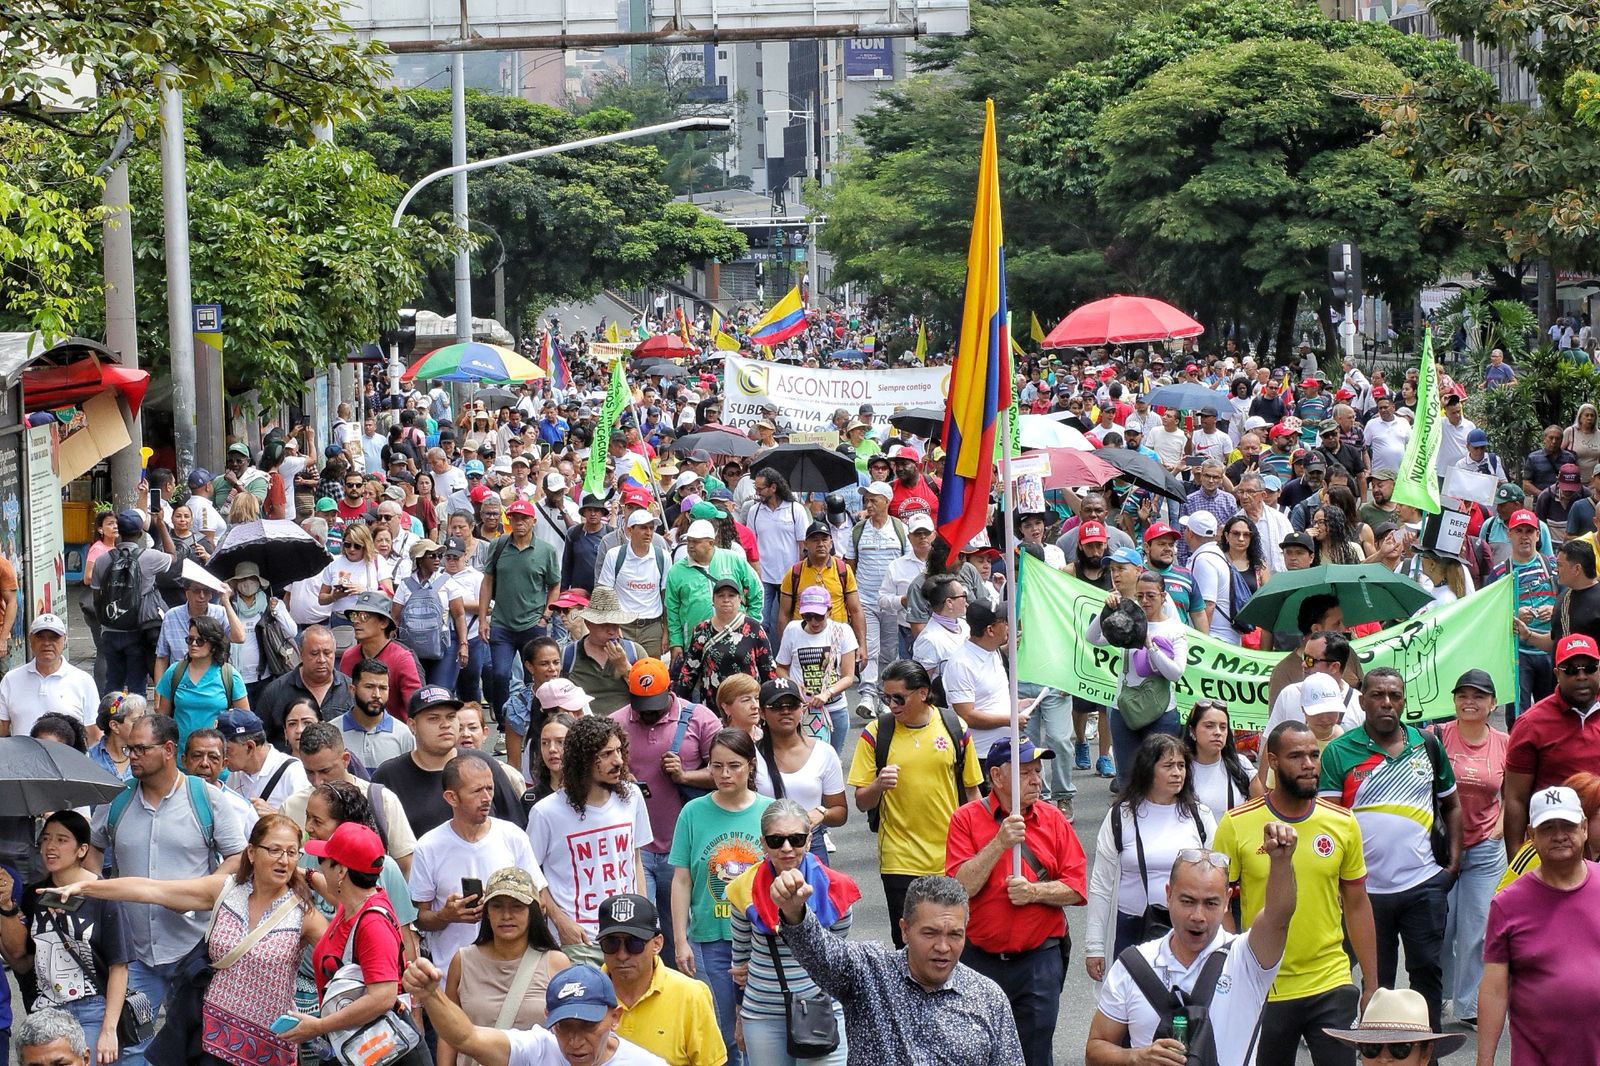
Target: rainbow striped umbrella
472	361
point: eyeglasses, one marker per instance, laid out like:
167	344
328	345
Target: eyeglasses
613	943
277	852
140	749
195	642
1396	1051
1574	669
776	841
1204	855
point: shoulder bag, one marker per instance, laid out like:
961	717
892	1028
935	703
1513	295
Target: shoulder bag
811	1029
384	1041
137	1022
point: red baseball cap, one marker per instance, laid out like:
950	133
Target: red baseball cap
355	847
1344	394
572	598
1574	645
1092	533
1158	530
1281	430
1521	518
636	497
1191	369
522	508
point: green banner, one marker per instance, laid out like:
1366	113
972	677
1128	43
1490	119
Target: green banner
1430	651
1418	483
617	397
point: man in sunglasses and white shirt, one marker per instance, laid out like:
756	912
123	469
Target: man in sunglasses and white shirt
1197	898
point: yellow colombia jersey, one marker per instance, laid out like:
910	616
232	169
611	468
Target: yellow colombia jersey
1524	861
916	813
1329	852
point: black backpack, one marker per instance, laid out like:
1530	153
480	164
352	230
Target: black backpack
1195	1007
117	601
880	753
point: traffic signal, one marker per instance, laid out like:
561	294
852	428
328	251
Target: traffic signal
1344	273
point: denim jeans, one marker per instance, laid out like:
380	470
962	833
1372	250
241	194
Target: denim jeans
1415	918
769	612
1536	679
658	888
469	682
152	981
1125	742
1462	958
713	963
766	1043
505	648
91	1014
1050	726
838	728
442	671
127	655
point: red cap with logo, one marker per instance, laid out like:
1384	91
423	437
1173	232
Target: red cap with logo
1522	518
1574	645
1158	530
1092	533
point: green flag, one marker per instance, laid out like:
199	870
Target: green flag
1430	650
617	397
1418	483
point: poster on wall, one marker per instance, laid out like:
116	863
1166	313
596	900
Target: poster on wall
46	565
11	535
869	59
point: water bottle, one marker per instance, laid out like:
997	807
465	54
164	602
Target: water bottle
1180	1029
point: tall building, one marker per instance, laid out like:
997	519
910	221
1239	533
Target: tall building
1412	16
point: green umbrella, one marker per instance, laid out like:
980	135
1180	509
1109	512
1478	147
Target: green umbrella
1367	592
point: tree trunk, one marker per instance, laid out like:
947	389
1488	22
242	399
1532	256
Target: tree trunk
1286	312
1330	335
1547	297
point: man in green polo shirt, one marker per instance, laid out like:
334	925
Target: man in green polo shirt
1398	783
689	583
521	577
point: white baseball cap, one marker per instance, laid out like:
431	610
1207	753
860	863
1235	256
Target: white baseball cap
48	623
1557	802
554	481
641	517
1201	523
1319	694
879	488
919	521
685	479
701	529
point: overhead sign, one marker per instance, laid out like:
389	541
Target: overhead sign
807	397
869	59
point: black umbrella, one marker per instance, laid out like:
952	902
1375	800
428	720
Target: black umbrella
664	370
811	467
280	549
716	442
495	397
1144	472
40	776
925	422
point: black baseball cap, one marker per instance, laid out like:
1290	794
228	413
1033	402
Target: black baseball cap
781	688
1475	679
629	913
1299	540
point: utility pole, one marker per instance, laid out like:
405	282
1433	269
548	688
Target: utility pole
180	303
458	156
122	327
1344	279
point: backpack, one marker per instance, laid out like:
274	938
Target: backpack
117	601
685	714
199	803
1199	1038
422	621
861	528
885	736
569	657
625	552
839	565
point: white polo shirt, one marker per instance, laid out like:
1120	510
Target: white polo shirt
1235	1006
977	676
252	786
779	532
26	695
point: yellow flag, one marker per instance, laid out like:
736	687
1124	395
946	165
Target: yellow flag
922	342
727	343
716	322
1034	329
613	334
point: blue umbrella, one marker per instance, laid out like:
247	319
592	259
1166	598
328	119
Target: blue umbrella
1185	396
848	355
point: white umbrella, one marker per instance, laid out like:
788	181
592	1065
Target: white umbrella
193	571
1042	431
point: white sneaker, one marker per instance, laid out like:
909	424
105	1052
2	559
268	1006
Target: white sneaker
868	708
827	842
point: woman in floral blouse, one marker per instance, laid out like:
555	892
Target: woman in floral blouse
728	643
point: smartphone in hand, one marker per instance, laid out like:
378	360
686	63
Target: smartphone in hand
471	890
53	900
283	1023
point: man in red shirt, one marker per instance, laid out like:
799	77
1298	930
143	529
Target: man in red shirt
1556	737
911	491
1017	931
374	631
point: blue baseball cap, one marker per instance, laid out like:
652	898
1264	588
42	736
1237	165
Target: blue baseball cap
1273	483
474	467
332	451
237	724
199	477
1127	555
581	992
1000	753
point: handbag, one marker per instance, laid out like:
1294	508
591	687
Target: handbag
1144	703
1156	919
278	652
384	1041
811	1029
137	1022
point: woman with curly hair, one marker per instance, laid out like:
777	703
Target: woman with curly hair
595	801
1331	530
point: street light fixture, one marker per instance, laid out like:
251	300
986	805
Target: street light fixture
700	124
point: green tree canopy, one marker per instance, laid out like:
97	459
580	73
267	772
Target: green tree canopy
570	223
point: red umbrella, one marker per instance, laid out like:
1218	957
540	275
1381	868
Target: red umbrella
664	345
1070	467
1122	320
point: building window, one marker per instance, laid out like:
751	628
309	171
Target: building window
722	53
722	79
761	123
758	91
761	151
758	68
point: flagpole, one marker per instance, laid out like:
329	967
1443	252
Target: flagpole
1008	504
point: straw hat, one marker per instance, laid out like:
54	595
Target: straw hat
604	609
1398	1016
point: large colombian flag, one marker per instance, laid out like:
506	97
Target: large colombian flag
980	379
786	319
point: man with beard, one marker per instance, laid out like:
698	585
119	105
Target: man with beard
1382	508
1398	784
371	733
1552	740
1313	988
1161	552
911	491
1092	508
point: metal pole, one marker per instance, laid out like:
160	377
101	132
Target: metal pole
458	191
1008	499
1347	328
180	305
122	327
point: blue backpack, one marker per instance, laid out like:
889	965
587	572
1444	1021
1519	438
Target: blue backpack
199	803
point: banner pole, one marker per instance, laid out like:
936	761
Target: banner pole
1008	498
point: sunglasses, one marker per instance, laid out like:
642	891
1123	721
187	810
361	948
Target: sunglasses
613	943
1575	670
1204	855
1396	1051
776	841
1211	705
1312	660
899	699
195	642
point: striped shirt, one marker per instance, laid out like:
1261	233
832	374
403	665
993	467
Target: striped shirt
763	995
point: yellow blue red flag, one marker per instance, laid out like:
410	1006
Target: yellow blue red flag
980	378
786	319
